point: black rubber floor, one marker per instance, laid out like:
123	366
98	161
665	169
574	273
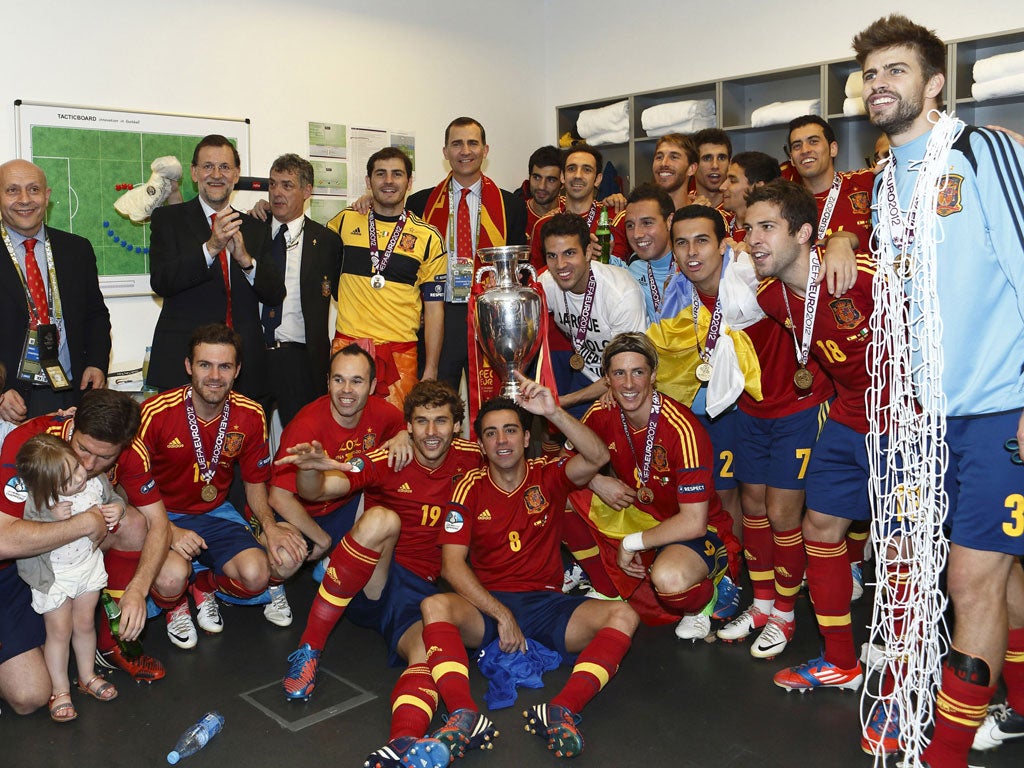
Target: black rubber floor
673	704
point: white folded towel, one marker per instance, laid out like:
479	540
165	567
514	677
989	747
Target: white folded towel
692	125
664	115
854	106
993	89
998	67
609	137
738	290
594	122
727	378
783	111
855	85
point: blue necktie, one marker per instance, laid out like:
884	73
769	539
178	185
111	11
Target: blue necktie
271	316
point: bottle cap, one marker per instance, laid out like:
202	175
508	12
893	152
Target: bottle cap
173	757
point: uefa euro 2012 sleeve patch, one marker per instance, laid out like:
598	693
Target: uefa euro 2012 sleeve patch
453	521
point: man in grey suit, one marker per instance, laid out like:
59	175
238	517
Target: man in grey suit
309	256
211	264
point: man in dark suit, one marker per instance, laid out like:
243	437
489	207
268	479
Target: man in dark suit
57	286
489	216
211	263
296	332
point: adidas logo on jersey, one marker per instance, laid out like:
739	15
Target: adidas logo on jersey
485	515
356	231
404	488
175	443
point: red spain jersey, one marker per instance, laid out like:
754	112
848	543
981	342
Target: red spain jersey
776	355
418	495
166	436
840	338
853	207
682	460
131	470
513	536
378	423
620	247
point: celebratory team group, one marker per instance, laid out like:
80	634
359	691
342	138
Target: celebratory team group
709	387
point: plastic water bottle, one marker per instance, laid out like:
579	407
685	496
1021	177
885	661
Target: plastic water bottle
196	737
131	649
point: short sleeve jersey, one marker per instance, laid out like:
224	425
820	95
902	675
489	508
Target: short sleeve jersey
418	496
131	471
379	422
839	341
853	206
513	536
618	307
166	436
682	459
415	272
776	355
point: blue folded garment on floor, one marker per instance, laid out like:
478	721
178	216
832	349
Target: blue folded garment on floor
506	671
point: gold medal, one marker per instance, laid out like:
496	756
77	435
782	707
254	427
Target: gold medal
209	493
704	372
576	362
644	495
803	378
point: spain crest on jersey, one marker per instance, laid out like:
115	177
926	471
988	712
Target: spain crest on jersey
407	242
534	500
860	203
948	201
369	441
846	313
233	444
659	459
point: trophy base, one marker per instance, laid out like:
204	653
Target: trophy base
512	390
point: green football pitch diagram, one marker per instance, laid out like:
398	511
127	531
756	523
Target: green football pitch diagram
86	169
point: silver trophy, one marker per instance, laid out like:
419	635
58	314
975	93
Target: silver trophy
508	315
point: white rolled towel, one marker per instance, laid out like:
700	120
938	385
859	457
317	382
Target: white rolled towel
998	67
664	115
684	126
1011	85
594	122
738	291
783	111
609	137
855	85
854	106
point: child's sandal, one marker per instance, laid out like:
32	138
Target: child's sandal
103	692
63	712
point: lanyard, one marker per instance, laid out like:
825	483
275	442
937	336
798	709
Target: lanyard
830	205
652	427
51	276
713	330
585	310
803	349
206	471
377	262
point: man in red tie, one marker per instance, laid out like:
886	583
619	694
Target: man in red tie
49	289
470	212
211	264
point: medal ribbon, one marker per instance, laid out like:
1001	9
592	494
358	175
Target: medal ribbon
655	293
830	205
206	471
803	350
652	427
588	305
901	230
716	324
377	262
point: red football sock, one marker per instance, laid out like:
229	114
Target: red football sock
790	560
856	540
830	585
758	548
594	667
165	602
120	566
350	567
578	537
960	708
449	665
692	600
413	702
1013	670
208	581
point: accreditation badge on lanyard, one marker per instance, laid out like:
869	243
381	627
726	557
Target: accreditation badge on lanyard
39	362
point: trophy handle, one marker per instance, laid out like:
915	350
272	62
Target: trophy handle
483	270
527	267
